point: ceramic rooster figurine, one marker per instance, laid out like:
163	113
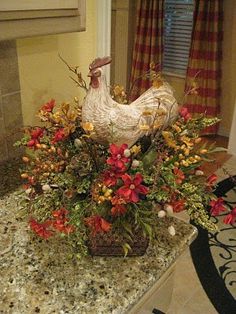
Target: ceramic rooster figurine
120	123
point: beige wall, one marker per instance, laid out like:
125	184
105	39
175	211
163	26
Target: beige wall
228	66
43	75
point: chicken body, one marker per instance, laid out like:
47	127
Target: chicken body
125	124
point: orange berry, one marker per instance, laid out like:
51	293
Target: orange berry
25	159
197	140
24	175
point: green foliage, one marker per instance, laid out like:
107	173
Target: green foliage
149	159
83	186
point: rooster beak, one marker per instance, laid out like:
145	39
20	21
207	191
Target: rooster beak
90	74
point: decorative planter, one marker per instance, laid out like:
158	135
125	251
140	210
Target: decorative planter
106	244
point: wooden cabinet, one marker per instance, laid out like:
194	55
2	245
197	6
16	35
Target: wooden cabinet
27	18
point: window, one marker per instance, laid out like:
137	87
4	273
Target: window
178	22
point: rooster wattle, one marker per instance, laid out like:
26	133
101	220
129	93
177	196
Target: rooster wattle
120	123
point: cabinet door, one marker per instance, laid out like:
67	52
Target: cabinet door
27	18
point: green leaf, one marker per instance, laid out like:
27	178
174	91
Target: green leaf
208	159
17	143
127	227
83	186
127	236
136	217
149	159
126	248
148	229
218	149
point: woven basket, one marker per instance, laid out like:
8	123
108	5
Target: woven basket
106	244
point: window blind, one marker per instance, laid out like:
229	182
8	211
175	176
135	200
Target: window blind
178	23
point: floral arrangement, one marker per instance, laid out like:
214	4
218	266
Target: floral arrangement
76	188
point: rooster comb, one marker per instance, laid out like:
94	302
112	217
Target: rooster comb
99	62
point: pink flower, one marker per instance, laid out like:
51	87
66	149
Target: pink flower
185	114
41	229
231	217
48	107
118	159
132	188
217	206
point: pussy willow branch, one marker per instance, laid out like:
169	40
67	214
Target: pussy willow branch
191	89
146	74
135	81
80	81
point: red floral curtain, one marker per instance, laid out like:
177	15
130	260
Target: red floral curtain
205	60
148	43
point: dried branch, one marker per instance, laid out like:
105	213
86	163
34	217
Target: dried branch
80	82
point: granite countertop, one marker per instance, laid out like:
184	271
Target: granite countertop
39	277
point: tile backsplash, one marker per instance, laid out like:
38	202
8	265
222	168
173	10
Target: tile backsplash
11	119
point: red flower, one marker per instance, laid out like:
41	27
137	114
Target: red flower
118	158
118	210
63	226
32	143
59	136
31	180
97	224
217	206
60	214
35	135
41	229
110	177
61	222
178	206
132	188
117	200
68	229
231	217
211	180
48	107
179	175
185	114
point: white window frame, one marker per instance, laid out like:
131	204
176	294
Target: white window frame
104	33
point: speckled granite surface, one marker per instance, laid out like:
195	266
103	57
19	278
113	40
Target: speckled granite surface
39	278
